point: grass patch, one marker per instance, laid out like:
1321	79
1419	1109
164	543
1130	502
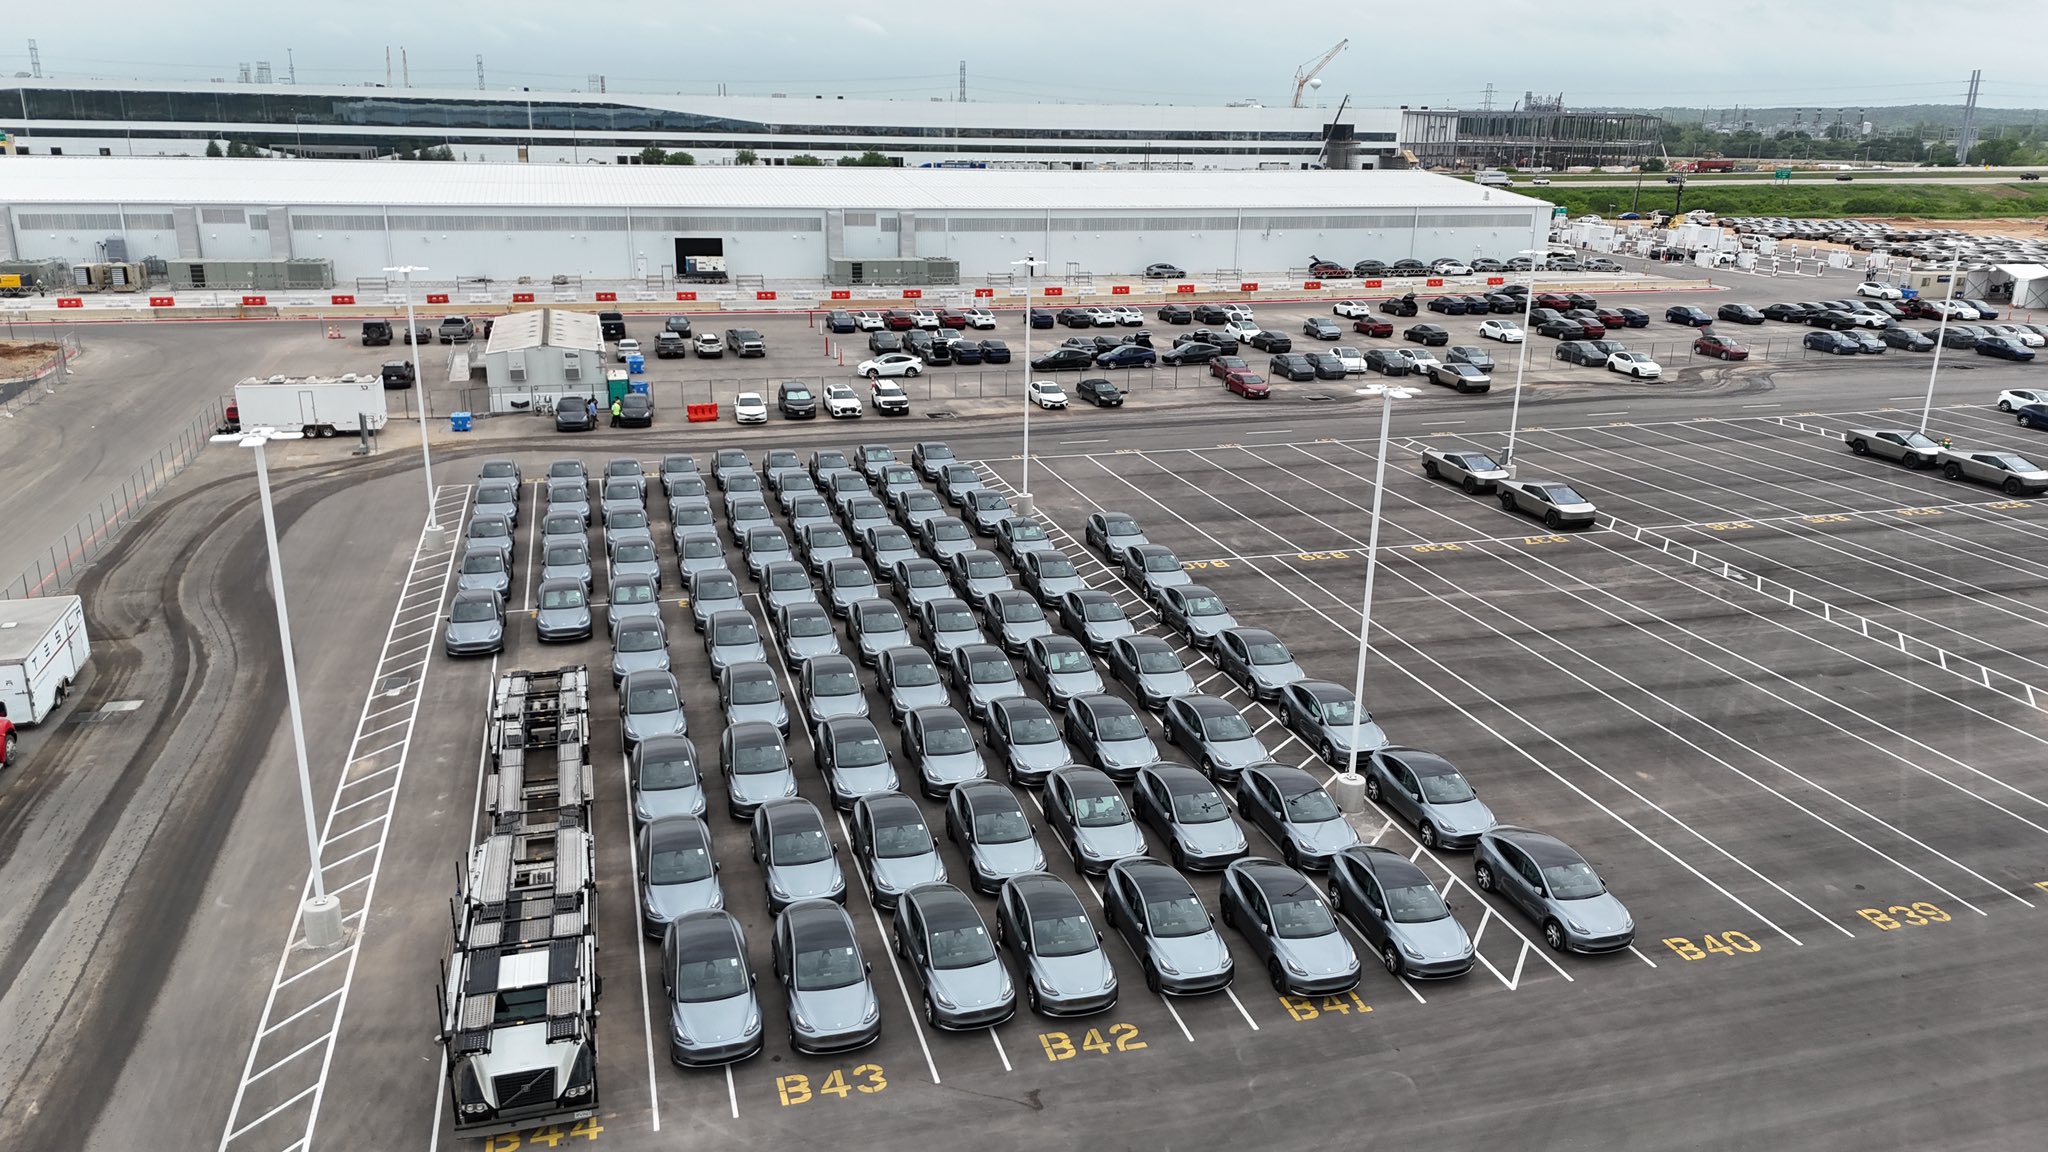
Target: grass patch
1833	199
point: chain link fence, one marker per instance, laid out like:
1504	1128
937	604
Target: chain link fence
63	562
26	387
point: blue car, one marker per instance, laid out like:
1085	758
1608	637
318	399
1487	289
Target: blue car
1040	318
2003	348
1127	356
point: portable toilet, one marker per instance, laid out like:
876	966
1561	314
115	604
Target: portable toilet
636	364
639	386
459	422
615	385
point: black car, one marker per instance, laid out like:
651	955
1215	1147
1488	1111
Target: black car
1267	340
1400	305
1832	342
636	410
376	332
1176	314
1193	352
1041	318
987	351
1739	314
1907	339
1427	335
1469	354
1502	304
965	351
1788	312
1077	317
839	320
572	414
398	374
1292	366
1387	362
1636	317
2031	415
882	340
1959	336
1408	268
1100	393
1448	305
796	401
1224	339
1688	315
1369	268
1832	319
1062	359
1328	366
1562	328
1581	352
2003	348
1211	314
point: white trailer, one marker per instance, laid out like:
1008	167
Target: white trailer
43	651
312	405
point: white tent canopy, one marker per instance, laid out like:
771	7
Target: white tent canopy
2029	284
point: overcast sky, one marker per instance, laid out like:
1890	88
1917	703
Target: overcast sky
1752	52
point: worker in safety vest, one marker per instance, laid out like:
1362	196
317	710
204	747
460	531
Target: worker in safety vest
617	407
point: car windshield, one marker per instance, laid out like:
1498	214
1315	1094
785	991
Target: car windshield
1311	807
1160	662
962	947
1565	494
1000	827
1068	660
1916	440
632	592
1227	727
480	563
916	674
954	620
720	587
1301	917
933	453
810	624
1021	611
764	542
1069	935
497	494
1445	788
1026	530
1417	904
570	597
818	969
894	540
1204	606
895	841
825	536
1120	726
828	683
1162	562
984	568
1269	652
949	530
640	640
799	846
678	865
710	978
948	741
633	552
647	698
1204	807
2016	464
993	671
852	575
627	518
755	690
788	580
861	752
490	528
796	393
1101	611
473	612
1100	811
1575	881
881	619
562	523
926	576
1180	916
1054	566
1339	712
566	554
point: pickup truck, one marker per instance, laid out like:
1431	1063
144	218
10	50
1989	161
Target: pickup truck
745	342
2007	471
1907	447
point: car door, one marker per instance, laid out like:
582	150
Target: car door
913	940
1524	881
1371	917
1126	912
1266	810
1405	795
1059	810
1303	715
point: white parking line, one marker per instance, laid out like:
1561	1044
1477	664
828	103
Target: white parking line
639	940
1232	993
999	1048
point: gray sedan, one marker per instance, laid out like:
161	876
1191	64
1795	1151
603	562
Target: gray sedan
848	582
852	759
1400	913
909	679
570	561
1055	946
798	860
755	764
876	625
564	610
941	747
732	638
893	846
1325	715
1185	809
1152	567
2013	473
1555	886
1554	502
476	624
650	705
488	532
1196	612
985	820
639	644
831	997
665	780
1048	575
1257	661
949	625
633	557
569	495
1015	618
888	545
714	1016
484	570
1213	731
1163	921
1151	669
711	593
918	580
1024	733
633	598
938	930
497	500
1087	814
829	687
978	572
1424	789
627	524
1095	618
786	582
945	537
677	874
983	674
765	546
749	692
1060	665
1472	471
1287	924
806	631
562	528
1110	734
1295	813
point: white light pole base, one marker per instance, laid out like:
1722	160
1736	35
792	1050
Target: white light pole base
436	538
322	918
1348	790
1023	502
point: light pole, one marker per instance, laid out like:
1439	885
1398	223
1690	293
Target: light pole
1955	272
321	913
1031	265
419	375
1522	362
1387	393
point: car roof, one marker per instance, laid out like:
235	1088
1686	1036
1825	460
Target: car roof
1086	781
1141	644
791	812
1206	706
706	931
752	734
1103	702
1253	635
1022	707
1541	846
1056	642
944	907
834	660
557	583
1272	877
1290	781
748	670
903	653
987	796
818	921
1180	780
484	594
673	832
1045	893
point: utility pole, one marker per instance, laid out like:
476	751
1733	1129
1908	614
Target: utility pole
1967	134
479	72
1486	99
404	67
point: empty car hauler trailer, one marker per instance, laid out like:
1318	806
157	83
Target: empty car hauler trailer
313	405
43	651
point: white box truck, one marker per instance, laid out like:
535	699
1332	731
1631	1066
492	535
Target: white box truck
312	405
43	650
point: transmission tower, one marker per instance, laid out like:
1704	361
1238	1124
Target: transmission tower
1486	99
1966	136
35	60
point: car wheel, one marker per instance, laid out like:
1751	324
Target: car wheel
1429	469
1507	502
931	1014
1391	957
1482	875
1229	914
1328	752
1290	857
1372	788
1551	521
1152	979
1469	485
7	753
1553	935
1862	447
2005	405
1427	834
2013	487
1914	460
1278	977
1953	471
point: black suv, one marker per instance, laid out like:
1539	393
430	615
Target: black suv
398	374
1267	340
1291	366
1176	314
1211	314
1399	305
611	325
1581	352
670	346
376	332
796	400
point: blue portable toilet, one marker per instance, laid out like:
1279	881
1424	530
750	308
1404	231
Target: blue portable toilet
458	421
639	386
636	363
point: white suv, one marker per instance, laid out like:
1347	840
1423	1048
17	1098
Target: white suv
1129	317
868	321
841	401
979	318
926	319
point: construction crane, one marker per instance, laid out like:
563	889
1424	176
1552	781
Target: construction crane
1305	76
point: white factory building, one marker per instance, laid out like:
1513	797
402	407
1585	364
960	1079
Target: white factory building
514	222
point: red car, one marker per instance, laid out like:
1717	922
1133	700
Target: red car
1595	327
1247	384
1611	318
1710	344
7	740
1372	326
952	319
1325	270
1223	366
896	321
1557	300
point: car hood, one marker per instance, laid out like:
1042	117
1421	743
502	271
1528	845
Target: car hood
643	725
754	787
1238	753
1112	842
827	707
1023	632
1076	975
864	780
665	902
626	663
1011	859
1216	837
1128	753
976	589
1211	625
563	617
921	696
981	986
1469	816
1600	915
983	693
773	712
805	647
1041	757
1326	836
805	881
1278	675
475	632
1166	684
750	652
1443	939
1058	586
1370	736
834	1009
879	642
651	806
902	873
486	581
714	1022
1074	683
953	767
1581	507
1325	955
1196	955
1108	631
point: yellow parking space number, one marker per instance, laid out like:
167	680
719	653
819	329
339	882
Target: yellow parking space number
1542	539
1729	943
1829	519
795	1088
1918	511
1918	914
548	1137
1062	1046
2008	505
1322	556
1205	564
1729	525
1436	547
1306	1008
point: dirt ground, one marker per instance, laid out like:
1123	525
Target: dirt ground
20	357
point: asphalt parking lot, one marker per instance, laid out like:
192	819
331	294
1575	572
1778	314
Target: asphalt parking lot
1831	839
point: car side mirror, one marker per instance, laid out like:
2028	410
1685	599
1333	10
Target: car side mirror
1098	935
1212	918
835	849
868	967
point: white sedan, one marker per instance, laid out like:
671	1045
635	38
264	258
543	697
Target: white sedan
1351	309
840	400
1048	394
1541	181
1501	330
628	347
1450	268
2015	332
749	408
1421	360
869	321
1243	329
2013	398
979	318
1876	291
1635	364
891	364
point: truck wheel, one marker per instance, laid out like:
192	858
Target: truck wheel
1953	471
2013	486
326	431
307	431
1859	447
